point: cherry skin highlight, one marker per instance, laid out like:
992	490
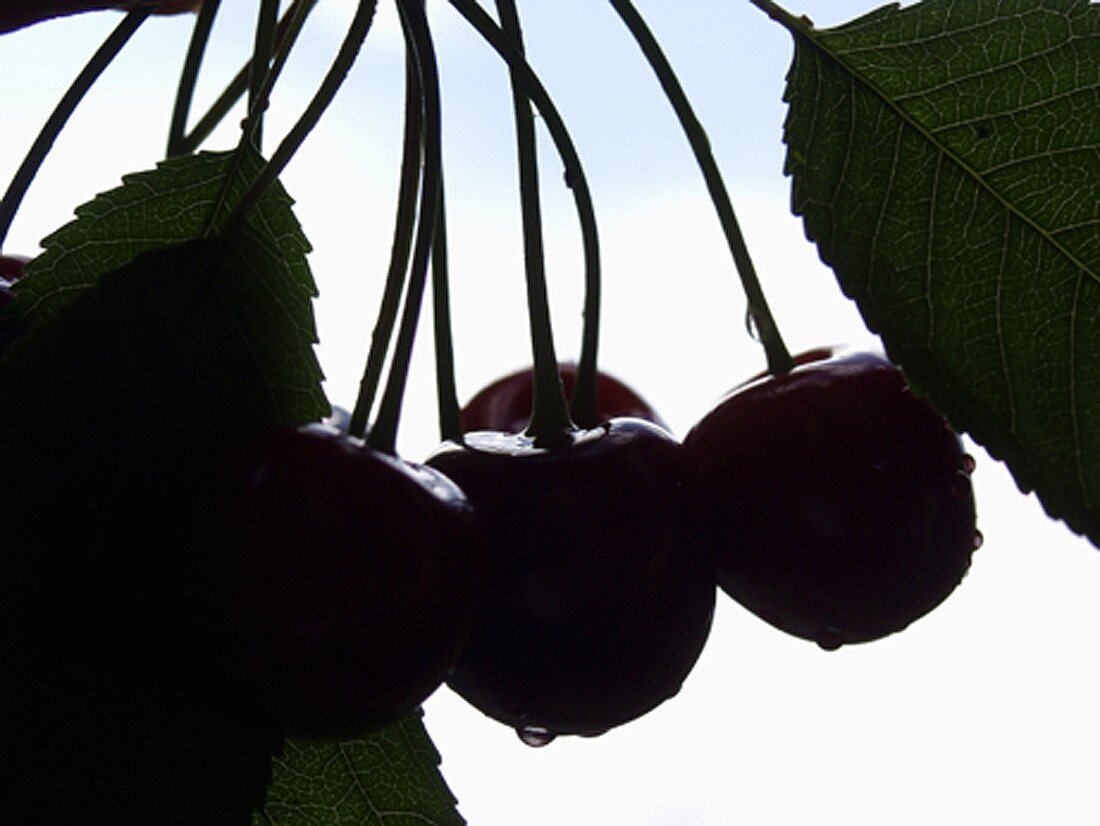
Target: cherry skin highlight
11	270
12	267
352	579
505	405
837	503
600	599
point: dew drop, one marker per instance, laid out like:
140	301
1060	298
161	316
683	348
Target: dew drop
969	463
596	733
977	541
961	488
535	736
751	326
830	639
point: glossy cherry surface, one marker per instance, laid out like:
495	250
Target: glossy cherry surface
600	599
11	270
838	503
353	579
505	405
12	267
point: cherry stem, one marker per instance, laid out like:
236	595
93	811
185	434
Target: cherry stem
266	23
549	413
289	28
584	392
337	73
250	129
189	76
400	249
414	23
84	81
795	25
450	414
779	358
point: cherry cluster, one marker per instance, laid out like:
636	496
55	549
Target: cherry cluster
556	566
569	588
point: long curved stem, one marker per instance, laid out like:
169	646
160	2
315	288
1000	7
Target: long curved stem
84	81
289	27
779	358
549	414
267	22
400	250
584	393
334	78
383	436
450	414
185	95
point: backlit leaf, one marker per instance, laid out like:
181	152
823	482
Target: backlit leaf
388	779
946	160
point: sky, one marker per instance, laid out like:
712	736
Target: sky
983	711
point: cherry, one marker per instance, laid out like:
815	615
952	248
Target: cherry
11	270
505	405
837	502
12	267
353	579
600	599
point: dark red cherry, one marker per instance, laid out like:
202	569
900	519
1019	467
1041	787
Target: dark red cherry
600	599
837	502
505	405
11	269
352	579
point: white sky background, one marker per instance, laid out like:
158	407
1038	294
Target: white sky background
984	711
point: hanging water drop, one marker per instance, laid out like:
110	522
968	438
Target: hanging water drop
751	325
830	639
597	733
535	736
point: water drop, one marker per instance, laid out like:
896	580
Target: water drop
830	639
961	488
969	463
751	325
535	736
594	733
977	541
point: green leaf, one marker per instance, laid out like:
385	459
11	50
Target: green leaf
117	415
146	359
946	159
389	778
157	208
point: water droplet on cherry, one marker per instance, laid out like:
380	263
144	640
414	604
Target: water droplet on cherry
961	488
591	734
977	541
830	639
969	463
535	736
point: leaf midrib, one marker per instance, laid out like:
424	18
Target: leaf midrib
811	36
